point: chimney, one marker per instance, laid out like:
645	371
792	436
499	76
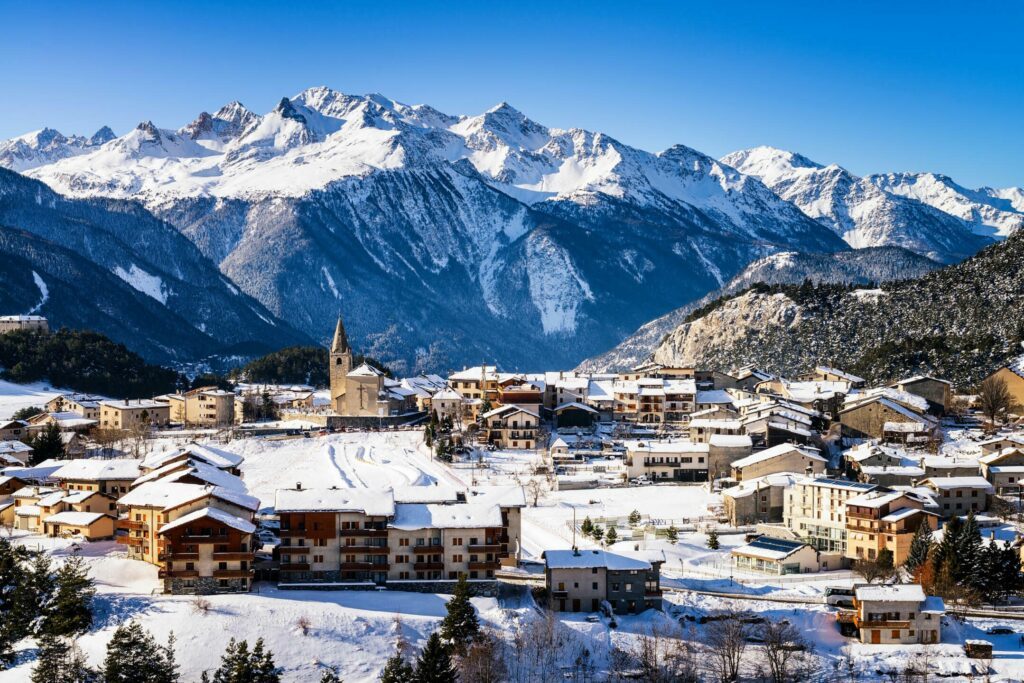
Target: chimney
298	486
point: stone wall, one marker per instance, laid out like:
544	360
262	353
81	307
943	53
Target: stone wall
203	586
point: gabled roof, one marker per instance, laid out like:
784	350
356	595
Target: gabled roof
614	561
217	515
909	592
778	451
366	370
849	377
73	518
169	494
948	483
575	405
413	516
213	456
510	409
373	502
770	548
98	469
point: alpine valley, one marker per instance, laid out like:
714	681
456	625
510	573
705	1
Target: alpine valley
443	240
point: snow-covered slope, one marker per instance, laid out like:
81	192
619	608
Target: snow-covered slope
444	239
993	213
866	212
46	146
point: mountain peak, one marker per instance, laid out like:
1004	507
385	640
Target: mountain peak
149	130
287	110
102	136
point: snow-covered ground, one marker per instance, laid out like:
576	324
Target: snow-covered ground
14	397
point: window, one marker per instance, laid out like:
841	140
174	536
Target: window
318	558
615	586
629	588
456	541
895	633
403	541
321	542
593	570
456	558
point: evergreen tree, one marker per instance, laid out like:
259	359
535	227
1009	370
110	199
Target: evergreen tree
435	664
713	542
52	660
47	444
919	548
945	556
235	664
17	611
611	536
634	518
460	625
672	533
330	676
397	669
264	669
885	563
133	656
597	532
70	610
968	549
587	527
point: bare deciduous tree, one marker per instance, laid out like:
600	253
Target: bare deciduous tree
667	656
787	652
484	660
536	489
727	639
994	398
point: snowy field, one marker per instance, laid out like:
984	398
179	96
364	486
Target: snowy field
14	397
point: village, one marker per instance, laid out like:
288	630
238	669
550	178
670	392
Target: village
880	524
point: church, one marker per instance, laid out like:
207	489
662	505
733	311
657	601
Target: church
363	391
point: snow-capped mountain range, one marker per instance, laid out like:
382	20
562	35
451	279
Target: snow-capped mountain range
451	239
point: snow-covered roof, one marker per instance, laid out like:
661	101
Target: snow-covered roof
920	378
948	483
575	404
714	396
475	373
906	403
706	423
134	404
175	471
749	487
14	447
778	451
876	499
171	494
98	469
412	516
730	440
904	427
78	497
216	514
510	496
435	493
849	377
895	470
214	456
614	561
448	394
75	518
903	513
906	592
372	502
511	409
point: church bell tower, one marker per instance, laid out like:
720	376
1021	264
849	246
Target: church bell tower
341	365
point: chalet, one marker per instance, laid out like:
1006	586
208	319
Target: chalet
702	429
769	555
575	414
954	466
113	477
86	405
884	520
581	580
898	614
512	427
892	475
447	404
480	382
9	483
824	373
781	458
725	449
90	526
959	495
13	430
66	421
200	537
215	457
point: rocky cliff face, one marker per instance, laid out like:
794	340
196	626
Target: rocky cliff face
956	322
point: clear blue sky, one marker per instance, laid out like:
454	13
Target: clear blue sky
873	87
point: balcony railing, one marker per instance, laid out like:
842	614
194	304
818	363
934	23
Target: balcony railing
485	565
483	547
372	533
294	549
233	573
177	574
357	566
429	549
295	566
422	566
366	549
233	555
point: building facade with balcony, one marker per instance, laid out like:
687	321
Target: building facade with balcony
885	520
580	580
894	615
512	427
814	510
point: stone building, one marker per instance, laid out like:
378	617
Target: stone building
580	580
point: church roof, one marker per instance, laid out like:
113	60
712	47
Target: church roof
340	343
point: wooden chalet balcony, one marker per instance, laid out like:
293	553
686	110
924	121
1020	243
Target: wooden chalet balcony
559	594
652	593
883	623
121	539
371	533
428	549
294	549
177	574
493	564
295	567
178	556
132	525
291	533
233	573
359	566
135	541
233	555
200	538
483	547
422	566
366	549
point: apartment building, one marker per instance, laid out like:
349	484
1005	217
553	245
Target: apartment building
204	406
417	536
580	580
13	430
702	428
654	400
127	414
959	495
201	537
814	510
898	614
14	323
1004	469
757	500
86	405
212	456
668	460
480	382
885	520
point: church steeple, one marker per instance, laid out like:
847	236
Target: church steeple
340	343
